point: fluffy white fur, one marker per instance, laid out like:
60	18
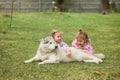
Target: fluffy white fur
50	52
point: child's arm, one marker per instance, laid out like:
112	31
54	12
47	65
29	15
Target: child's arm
74	45
85	51
88	49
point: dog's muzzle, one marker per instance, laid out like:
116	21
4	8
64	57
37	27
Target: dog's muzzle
56	47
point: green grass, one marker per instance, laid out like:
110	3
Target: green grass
20	42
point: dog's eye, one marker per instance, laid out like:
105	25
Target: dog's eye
50	42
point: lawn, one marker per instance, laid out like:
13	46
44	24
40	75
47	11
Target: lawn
20	42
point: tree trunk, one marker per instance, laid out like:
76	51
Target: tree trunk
60	5
105	6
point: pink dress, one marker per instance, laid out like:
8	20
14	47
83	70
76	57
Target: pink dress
87	46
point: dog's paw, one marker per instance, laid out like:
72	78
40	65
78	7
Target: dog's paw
101	61
41	63
26	61
97	62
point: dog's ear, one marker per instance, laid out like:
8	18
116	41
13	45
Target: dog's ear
46	41
51	38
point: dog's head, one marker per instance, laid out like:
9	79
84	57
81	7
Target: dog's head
48	44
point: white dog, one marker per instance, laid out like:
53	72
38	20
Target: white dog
50	52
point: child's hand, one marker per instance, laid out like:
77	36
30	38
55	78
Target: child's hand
85	51
77	47
68	54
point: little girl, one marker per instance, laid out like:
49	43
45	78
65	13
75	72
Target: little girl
57	36
82	42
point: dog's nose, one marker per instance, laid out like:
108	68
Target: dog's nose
56	47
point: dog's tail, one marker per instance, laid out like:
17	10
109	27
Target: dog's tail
99	55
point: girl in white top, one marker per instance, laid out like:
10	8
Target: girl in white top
57	36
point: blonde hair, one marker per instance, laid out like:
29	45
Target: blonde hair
53	32
83	35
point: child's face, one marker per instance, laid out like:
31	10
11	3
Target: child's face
58	37
80	42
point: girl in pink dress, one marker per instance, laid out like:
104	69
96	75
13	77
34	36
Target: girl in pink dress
82	42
